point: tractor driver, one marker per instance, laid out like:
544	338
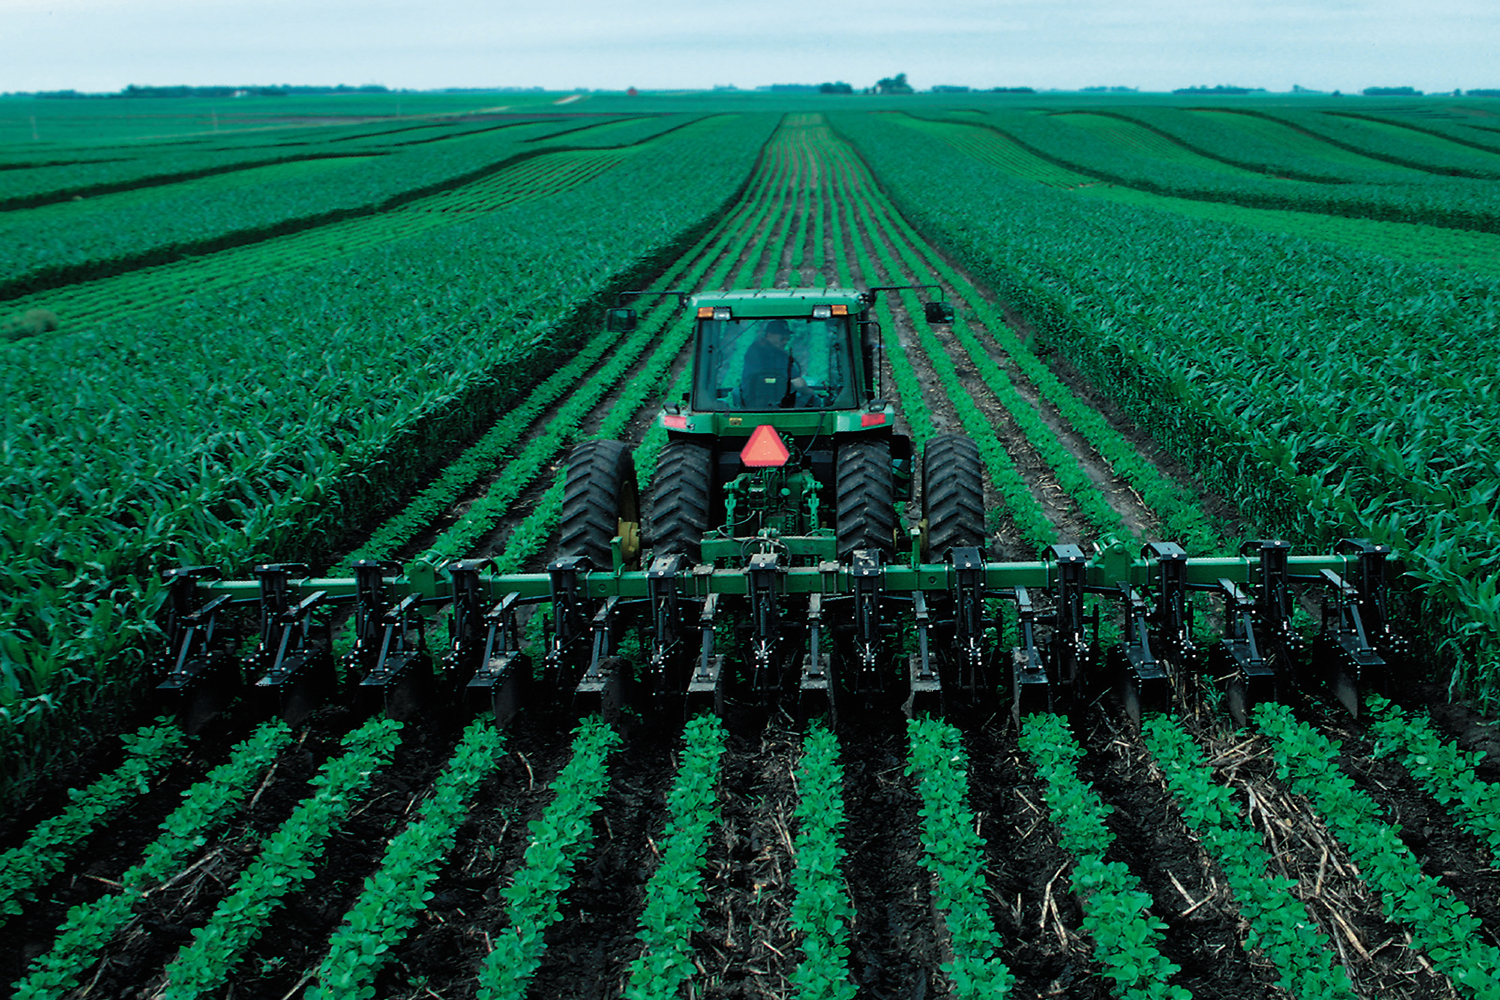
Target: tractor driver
771	374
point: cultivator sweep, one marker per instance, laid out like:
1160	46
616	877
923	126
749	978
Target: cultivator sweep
824	637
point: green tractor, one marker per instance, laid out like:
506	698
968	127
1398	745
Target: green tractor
785	454
782	573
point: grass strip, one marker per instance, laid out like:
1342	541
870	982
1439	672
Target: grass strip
286	861
53	841
1443	770
1440	925
398	891
1279	923
205	807
675	892
954	854
821	911
558	839
1116	911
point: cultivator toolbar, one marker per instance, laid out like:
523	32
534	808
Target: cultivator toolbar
826	635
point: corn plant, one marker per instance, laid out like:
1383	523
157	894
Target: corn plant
1440	925
675	892
206	806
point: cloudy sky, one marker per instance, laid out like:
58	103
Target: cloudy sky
103	45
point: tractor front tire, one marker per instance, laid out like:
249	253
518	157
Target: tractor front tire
680	500
952	495
600	501
864	498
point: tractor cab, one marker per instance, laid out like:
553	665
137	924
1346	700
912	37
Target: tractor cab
800	356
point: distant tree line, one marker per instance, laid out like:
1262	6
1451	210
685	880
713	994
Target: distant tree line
1220	89
183	90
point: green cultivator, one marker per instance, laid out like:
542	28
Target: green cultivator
781	573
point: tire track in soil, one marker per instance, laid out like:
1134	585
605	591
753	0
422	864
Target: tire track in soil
744	947
1302	848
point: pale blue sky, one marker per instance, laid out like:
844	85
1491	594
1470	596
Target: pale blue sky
102	45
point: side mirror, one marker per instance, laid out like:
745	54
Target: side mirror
937	312
620	320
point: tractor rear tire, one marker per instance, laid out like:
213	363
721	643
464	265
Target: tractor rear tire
864	498
680	500
600	501
952	495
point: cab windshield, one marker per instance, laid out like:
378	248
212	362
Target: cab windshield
773	363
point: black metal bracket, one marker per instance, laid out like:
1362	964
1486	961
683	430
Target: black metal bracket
1069	649
199	673
1251	679
294	661
868	577
1031	688
763	576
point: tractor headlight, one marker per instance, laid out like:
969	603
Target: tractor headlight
822	312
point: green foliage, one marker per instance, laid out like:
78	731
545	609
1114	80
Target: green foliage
954	854
1440	925
1440	767
1280	925
558	839
265	420
821	913
398	892
206	806
675	891
286	860
1329	393
53	841
1116	912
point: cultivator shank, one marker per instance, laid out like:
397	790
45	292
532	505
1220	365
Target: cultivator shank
827	637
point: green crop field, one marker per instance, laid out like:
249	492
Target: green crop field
369	327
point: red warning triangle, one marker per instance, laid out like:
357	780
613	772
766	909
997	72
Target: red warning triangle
764	448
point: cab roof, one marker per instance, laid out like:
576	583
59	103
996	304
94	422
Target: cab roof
779	301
